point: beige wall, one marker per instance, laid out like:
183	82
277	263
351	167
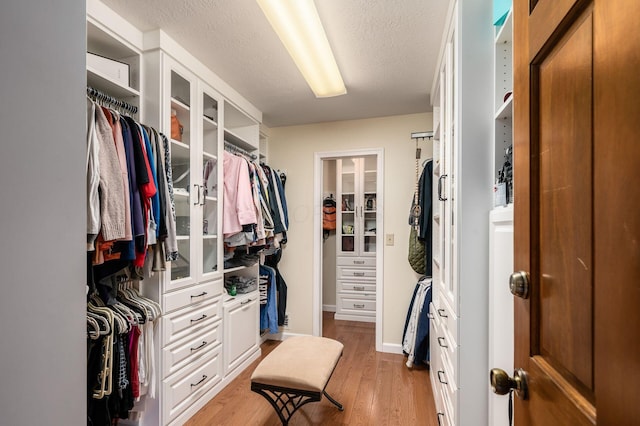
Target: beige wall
292	149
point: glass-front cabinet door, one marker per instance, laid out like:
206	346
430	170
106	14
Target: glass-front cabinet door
357	222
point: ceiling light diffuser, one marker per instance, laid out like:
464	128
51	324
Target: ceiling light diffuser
298	25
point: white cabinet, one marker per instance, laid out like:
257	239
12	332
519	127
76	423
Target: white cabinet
356	246
241	323
462	98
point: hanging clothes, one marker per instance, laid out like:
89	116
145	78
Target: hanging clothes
415	337
425	188
268	311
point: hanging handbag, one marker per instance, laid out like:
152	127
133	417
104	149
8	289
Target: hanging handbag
417	251
176	128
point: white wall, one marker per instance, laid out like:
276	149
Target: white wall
292	149
42	218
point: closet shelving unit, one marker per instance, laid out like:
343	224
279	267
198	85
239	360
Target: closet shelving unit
501	224
356	226
462	99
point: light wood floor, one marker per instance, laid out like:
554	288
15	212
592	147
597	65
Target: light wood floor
374	388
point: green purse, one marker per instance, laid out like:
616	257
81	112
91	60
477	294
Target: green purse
417	252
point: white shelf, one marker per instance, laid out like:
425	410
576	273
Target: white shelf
505	34
210	156
209	237
102	82
237	268
234	139
214	199
209	121
180	144
175	103
180	194
506	110
182	238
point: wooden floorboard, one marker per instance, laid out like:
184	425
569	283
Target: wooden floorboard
375	388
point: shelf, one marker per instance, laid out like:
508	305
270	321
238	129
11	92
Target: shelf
214	199
238	141
236	269
505	34
180	144
436	132
112	87
182	238
209	237
209	121
347	211
180	194
436	168
175	103
506	110
370	234
210	156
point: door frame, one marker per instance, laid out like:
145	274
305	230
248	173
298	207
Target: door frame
318	178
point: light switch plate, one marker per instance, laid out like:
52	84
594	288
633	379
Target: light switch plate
389	239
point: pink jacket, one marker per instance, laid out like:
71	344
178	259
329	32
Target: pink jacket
238	208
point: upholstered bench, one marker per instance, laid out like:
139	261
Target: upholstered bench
297	372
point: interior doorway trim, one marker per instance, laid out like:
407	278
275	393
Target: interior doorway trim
317	236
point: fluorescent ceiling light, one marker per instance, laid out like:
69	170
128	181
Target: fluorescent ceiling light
298	25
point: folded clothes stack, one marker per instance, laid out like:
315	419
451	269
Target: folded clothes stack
241	285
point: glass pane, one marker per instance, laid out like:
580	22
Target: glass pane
183	220
348	243
369	243
209	254
180	268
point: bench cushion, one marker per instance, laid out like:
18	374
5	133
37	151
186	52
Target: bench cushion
301	362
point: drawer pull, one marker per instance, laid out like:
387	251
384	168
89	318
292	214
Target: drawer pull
358	287
204	293
204	377
442	313
199	319
358	306
440	340
440	379
244	302
204	343
440	415
358	274
358	262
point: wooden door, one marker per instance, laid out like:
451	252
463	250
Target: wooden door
577	210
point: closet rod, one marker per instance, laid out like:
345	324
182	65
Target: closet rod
228	146
101	97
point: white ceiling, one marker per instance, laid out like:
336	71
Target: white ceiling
386	51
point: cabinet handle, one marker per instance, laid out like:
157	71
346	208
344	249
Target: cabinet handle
440	340
204	293
358	287
358	274
355	305
244	302
204	377
440	415
440	379
358	262
197	189
204	198
198	319
440	197
204	343
442	313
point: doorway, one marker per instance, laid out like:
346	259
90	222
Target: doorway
372	241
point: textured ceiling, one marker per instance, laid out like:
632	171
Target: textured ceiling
386	51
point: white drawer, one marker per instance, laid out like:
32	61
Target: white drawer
347	272
448	319
193	295
189	320
356	305
191	348
449	352
357	287
356	261
183	389
449	398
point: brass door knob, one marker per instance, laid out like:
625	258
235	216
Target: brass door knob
519	284
501	383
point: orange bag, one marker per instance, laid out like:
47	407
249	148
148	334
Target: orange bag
329	214
176	128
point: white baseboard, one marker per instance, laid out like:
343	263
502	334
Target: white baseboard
392	348
329	308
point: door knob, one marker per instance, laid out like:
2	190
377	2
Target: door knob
519	284
501	383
